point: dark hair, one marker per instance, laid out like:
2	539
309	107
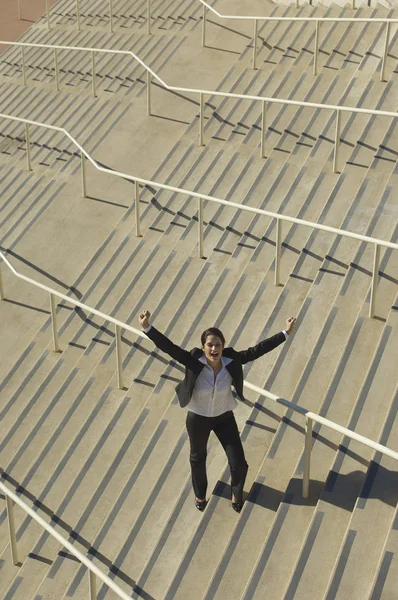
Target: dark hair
212	331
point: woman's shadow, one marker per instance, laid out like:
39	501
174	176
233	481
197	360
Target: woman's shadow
341	490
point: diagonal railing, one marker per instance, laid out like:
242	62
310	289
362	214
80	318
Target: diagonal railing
337	109
316	20
378	243
78	15
93	570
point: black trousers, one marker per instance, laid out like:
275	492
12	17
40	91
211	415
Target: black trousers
225	428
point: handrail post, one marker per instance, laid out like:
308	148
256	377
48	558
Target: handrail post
11	530
315	71
92	585
278	245
94	87
19	10
149	17
2	296
48	14
56	69
84	183
375	275
386	43
255	37
24	80
148	94
307	456
78	14
28	158
297	4
53	304
263	128
111	15
353	5
119	362
204	26
337	141
201	119
137	209
200	226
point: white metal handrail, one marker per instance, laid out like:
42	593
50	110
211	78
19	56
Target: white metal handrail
119	325
338	109
78	15
309	418
378	243
93	570
315	20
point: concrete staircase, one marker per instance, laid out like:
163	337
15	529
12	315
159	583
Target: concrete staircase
109	467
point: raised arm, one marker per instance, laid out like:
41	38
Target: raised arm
162	342
269	344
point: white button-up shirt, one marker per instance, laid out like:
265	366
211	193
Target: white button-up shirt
212	396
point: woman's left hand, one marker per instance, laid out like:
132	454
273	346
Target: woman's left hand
290	323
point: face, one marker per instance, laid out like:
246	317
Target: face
213	349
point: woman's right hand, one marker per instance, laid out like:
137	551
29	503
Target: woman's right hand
144	319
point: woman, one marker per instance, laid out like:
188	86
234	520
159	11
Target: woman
206	394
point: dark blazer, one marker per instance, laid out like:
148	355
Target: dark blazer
193	366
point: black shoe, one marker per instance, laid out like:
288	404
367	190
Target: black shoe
200	504
237	506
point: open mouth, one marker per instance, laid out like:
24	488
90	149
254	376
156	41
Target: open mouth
214	354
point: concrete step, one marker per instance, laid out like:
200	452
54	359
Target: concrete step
384	586
12	182
28	211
